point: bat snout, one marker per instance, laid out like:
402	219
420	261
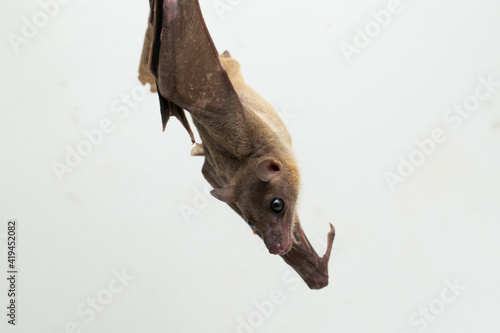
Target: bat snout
280	247
278	240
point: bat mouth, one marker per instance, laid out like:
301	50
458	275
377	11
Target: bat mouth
279	248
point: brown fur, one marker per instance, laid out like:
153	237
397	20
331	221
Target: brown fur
248	152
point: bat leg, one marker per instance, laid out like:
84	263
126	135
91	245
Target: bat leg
198	150
306	262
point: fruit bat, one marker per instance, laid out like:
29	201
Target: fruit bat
247	149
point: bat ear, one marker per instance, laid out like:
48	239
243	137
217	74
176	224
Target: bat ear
268	169
226	194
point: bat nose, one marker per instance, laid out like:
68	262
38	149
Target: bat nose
279	248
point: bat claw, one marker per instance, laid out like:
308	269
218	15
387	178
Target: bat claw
331	237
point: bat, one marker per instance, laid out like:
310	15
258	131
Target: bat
248	155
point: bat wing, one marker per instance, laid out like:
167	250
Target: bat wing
183	60
305	261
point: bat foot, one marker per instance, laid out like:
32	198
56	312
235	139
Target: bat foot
198	150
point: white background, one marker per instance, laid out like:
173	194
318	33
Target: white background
120	209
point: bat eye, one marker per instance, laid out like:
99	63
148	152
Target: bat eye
277	205
251	224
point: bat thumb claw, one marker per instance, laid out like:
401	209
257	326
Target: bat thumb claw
331	237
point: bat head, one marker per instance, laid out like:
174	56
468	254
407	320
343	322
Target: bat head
266	194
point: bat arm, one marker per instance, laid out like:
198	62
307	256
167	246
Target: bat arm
306	262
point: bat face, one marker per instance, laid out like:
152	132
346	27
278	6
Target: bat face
270	212
266	197
275	228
